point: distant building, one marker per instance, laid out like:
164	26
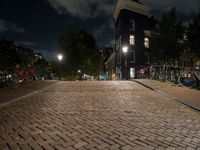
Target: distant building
37	56
110	67
105	53
25	54
133	26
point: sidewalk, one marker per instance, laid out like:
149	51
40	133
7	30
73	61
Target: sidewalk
7	94
189	97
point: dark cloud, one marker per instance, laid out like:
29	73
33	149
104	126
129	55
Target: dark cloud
26	43
184	7
47	54
6	26
46	20
83	9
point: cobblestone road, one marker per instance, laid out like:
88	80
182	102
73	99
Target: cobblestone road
98	115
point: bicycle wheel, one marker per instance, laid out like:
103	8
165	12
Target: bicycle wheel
13	83
187	81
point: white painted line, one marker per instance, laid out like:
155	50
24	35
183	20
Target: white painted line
17	99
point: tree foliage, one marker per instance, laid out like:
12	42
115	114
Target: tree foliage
80	50
165	45
8	54
193	36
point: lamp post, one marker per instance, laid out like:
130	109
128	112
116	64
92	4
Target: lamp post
79	74
125	51
60	57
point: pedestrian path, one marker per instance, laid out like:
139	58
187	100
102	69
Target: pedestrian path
187	96
7	94
109	115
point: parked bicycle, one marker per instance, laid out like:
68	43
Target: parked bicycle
190	79
12	81
184	76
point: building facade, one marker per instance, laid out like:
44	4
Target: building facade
132	25
103	68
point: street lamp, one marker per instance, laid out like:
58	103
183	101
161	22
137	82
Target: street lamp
80	75
60	58
125	51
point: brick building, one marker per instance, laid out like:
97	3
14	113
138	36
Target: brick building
133	26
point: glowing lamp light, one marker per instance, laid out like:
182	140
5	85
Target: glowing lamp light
60	57
125	49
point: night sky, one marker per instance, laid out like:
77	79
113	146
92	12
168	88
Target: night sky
38	24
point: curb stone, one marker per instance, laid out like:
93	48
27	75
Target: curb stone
167	95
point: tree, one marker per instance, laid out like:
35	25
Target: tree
8	54
193	37
165	45
25	54
80	51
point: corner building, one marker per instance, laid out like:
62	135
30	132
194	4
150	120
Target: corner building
132	26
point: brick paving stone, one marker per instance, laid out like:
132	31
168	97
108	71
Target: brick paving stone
119	142
190	148
25	146
114	146
132	138
160	148
68	144
127	147
4	146
169	139
58	147
14	146
102	146
140	143
98	115
47	147
110	142
171	148
130	143
150	143
80	144
180	148
144	148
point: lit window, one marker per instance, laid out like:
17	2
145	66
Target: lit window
132	73
146	42
132	40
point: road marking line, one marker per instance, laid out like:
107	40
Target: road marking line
6	103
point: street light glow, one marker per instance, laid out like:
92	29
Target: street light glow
125	49
60	57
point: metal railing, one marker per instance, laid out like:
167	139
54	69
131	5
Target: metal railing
186	76
4	72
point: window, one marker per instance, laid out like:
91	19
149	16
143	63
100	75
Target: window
132	25
118	27
132	40
118	58
132	56
146	42
120	41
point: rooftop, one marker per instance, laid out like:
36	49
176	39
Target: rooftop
132	5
